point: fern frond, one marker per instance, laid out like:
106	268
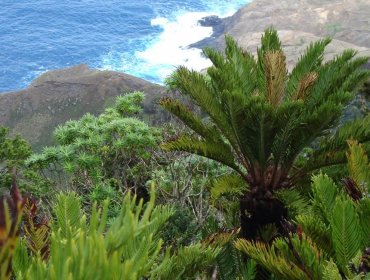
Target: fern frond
332	150
325	192
346	232
69	217
363	208
271	260
331	272
227	184
318	231
358	165
213	150
309	62
275	69
294	201
187	116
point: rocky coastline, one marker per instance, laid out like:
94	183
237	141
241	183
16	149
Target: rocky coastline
60	95
299	22
64	94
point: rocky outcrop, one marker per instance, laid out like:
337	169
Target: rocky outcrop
299	22
60	95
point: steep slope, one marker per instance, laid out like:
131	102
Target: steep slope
61	95
299	22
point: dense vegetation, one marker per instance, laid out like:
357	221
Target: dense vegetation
264	181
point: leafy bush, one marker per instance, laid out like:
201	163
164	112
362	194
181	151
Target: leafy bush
330	237
261	118
129	248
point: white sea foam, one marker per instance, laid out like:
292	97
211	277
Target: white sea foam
170	49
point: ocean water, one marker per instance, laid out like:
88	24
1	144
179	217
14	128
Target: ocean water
146	38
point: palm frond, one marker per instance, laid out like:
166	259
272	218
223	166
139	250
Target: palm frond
318	231
229	263
346	232
213	150
270	259
331	272
332	149
364	214
358	165
187	116
308	63
187	261
228	184
21	260
275	69
69	217
325	192
295	201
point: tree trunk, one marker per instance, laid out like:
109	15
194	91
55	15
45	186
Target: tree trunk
258	209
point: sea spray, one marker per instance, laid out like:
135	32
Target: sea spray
147	39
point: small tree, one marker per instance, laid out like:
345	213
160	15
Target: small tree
100	155
13	152
260	119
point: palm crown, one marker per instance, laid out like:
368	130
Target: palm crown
260	117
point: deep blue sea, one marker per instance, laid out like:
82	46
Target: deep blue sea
146	38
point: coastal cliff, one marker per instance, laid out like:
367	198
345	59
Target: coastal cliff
60	95
298	22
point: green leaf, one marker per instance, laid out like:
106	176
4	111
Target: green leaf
331	272
269	258
358	165
346	232
220	152
325	192
228	184
363	208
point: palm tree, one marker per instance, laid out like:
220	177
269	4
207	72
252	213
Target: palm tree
261	118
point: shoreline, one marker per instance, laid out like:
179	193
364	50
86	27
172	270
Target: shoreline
218	27
249	21
145	63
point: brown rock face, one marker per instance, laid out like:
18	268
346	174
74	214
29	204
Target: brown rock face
58	96
300	22
61	95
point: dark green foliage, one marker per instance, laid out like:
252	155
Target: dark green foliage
183	180
13	152
129	248
255	136
10	218
261	119
102	157
181	229
330	236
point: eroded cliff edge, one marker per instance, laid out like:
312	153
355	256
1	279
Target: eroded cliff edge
60	95
299	22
